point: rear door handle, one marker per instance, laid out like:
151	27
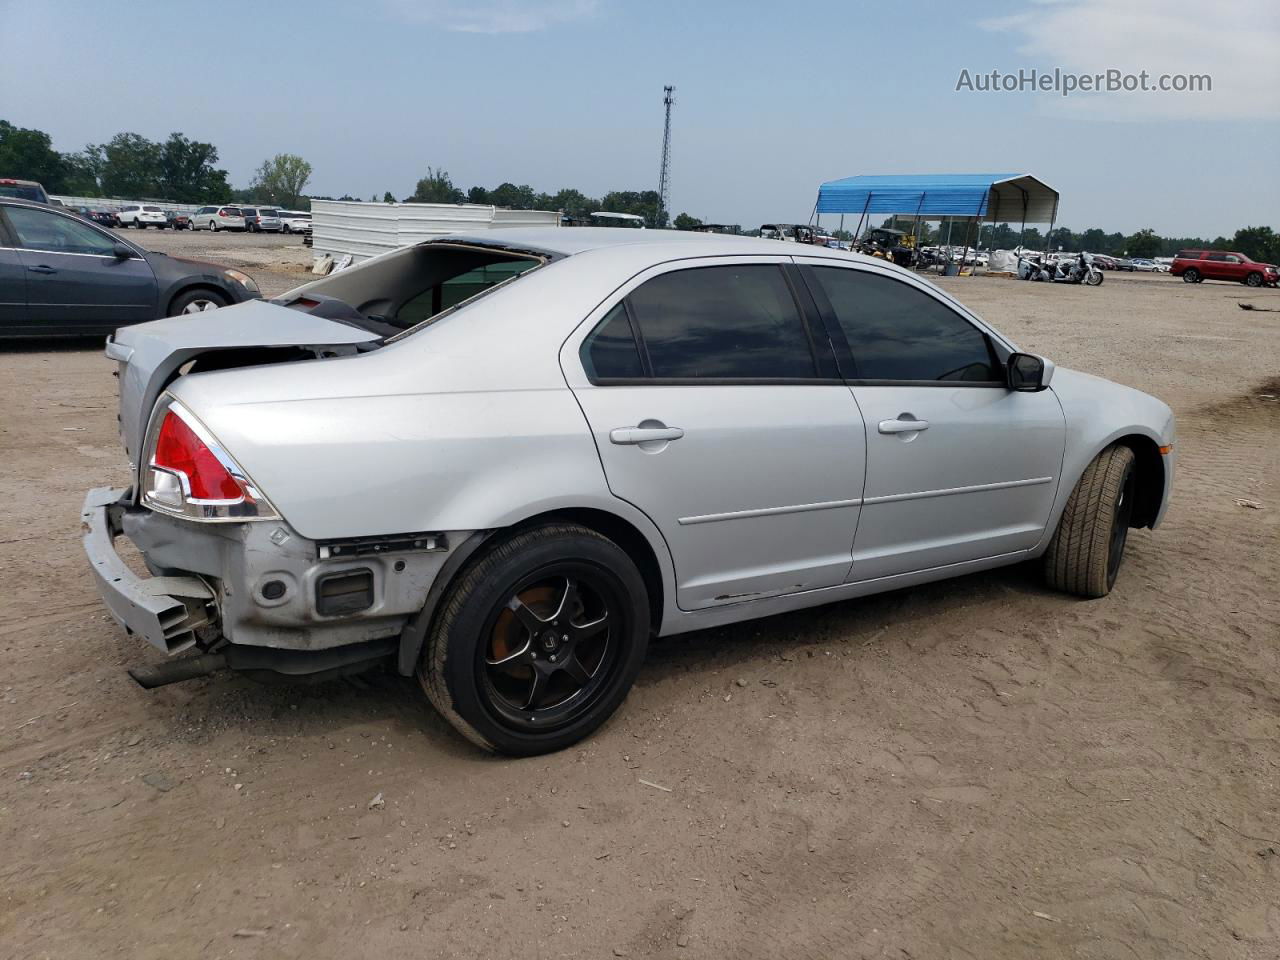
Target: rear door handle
903	426
633	435
42	269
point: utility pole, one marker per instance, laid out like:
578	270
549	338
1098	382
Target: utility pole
664	174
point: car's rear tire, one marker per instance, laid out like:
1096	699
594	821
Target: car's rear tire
1086	550
1254	279
538	641
1191	275
197	301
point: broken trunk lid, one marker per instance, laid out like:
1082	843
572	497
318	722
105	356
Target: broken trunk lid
152	354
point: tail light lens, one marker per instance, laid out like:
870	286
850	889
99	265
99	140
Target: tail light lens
189	474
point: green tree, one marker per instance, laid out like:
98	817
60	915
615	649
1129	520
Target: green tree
574	202
642	203
388	198
1144	243
685	222
27	154
1258	243
187	173
436	187
84	172
130	167
478	195
511	196
281	179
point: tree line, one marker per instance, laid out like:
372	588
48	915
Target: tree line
130	166
438	187
182	170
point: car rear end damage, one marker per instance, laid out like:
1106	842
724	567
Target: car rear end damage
230	579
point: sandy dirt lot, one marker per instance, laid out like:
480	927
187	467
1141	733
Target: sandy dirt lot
976	769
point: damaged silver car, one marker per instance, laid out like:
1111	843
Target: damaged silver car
503	462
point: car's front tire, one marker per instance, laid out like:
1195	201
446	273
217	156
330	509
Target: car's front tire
538	641
1086	550
197	301
1253	280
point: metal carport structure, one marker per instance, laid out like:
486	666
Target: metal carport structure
997	197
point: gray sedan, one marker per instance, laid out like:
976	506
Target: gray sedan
503	461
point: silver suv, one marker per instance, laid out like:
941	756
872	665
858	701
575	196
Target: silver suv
262	219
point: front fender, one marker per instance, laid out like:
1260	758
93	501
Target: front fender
1098	413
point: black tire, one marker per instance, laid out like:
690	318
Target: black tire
1253	280
201	296
497	635
1086	550
1191	275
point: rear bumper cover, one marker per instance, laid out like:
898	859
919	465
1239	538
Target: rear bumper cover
165	611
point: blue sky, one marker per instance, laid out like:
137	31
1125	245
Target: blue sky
772	98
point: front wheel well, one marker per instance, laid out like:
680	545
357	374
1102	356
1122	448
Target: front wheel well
1149	486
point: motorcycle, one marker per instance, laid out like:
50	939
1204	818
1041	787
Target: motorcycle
1080	270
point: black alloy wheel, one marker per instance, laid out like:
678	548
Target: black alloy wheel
536	643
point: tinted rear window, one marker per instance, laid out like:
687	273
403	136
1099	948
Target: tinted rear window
269	213
233	211
22	192
249	211
152	210
610	349
1188	254
738	322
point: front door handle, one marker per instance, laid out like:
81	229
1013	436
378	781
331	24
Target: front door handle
903	426
42	269
634	435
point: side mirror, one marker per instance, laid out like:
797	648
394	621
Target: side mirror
121	252
1028	373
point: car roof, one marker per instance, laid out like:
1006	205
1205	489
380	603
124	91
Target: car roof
567	241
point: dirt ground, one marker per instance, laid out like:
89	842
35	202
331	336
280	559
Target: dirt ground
976	769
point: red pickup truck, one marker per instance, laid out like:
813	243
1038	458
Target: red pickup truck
1195	266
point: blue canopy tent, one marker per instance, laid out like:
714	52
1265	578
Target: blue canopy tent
998	197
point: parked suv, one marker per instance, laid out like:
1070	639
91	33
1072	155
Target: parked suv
218	218
260	219
142	216
1195	266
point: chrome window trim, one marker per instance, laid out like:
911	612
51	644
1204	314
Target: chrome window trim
68	253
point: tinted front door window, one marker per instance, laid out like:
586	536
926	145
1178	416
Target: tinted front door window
731	322
40	230
897	332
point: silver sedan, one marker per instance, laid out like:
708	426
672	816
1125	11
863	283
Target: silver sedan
503	461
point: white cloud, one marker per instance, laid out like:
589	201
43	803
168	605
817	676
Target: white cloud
492	16
1236	42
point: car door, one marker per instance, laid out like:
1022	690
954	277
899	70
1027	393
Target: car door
13	284
718	413
959	467
75	281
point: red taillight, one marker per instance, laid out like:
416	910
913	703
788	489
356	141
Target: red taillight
180	451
